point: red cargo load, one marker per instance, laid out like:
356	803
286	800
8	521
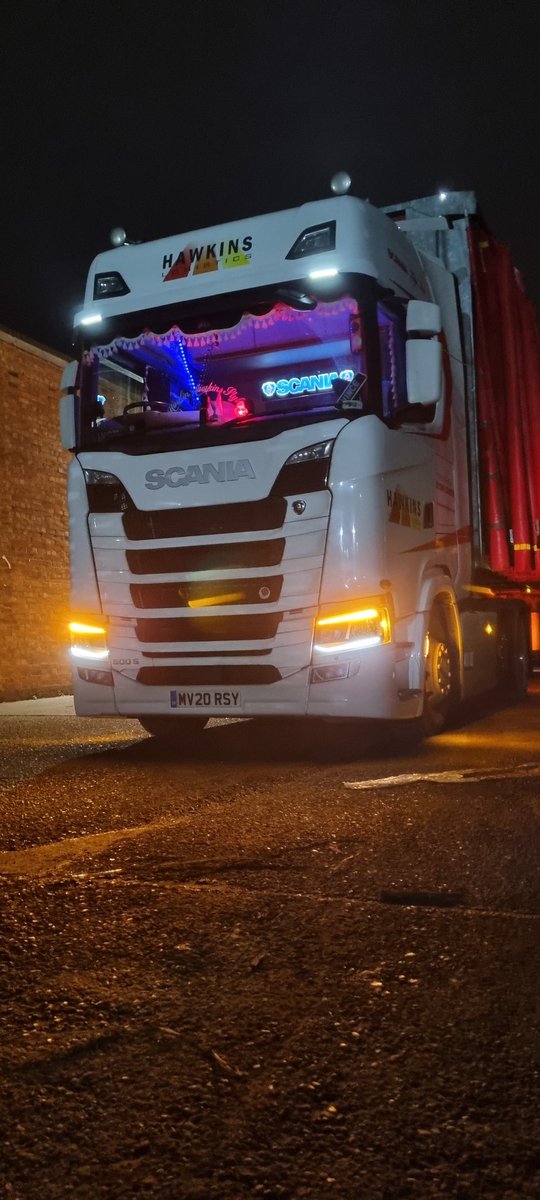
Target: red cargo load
507	348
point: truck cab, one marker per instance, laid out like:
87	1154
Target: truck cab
270	497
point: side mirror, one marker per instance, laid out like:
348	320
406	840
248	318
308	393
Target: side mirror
68	406
424	371
423	317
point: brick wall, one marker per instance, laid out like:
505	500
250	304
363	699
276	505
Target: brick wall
34	566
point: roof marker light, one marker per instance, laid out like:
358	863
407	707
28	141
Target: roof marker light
443	195
118	236
93	319
325	273
340	183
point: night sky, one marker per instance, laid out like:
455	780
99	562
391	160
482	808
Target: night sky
166	116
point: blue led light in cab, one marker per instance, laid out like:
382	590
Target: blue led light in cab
187	368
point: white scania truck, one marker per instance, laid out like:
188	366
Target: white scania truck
286	496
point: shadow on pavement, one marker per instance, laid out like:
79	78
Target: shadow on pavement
277	741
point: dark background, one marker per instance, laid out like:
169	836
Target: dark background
167	116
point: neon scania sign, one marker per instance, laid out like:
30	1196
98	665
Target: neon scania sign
304	385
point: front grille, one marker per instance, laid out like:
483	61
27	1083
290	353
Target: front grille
187	599
227	557
207	594
213	519
208	629
202	676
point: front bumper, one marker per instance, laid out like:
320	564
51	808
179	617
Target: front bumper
375	687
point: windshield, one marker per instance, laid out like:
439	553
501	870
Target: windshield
279	363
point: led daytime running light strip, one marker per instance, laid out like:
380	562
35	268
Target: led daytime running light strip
86	652
365	614
81	627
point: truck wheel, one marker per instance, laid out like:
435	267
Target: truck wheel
513	656
174	731
441	681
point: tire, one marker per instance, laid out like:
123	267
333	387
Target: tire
441	680
179	732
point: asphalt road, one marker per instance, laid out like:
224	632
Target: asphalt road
291	964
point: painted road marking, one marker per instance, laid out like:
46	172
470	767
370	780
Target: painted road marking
522	771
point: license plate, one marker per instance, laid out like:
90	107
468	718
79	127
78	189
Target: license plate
210	698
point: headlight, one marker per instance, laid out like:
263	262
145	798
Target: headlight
305	471
89	638
368	624
310	453
106	494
